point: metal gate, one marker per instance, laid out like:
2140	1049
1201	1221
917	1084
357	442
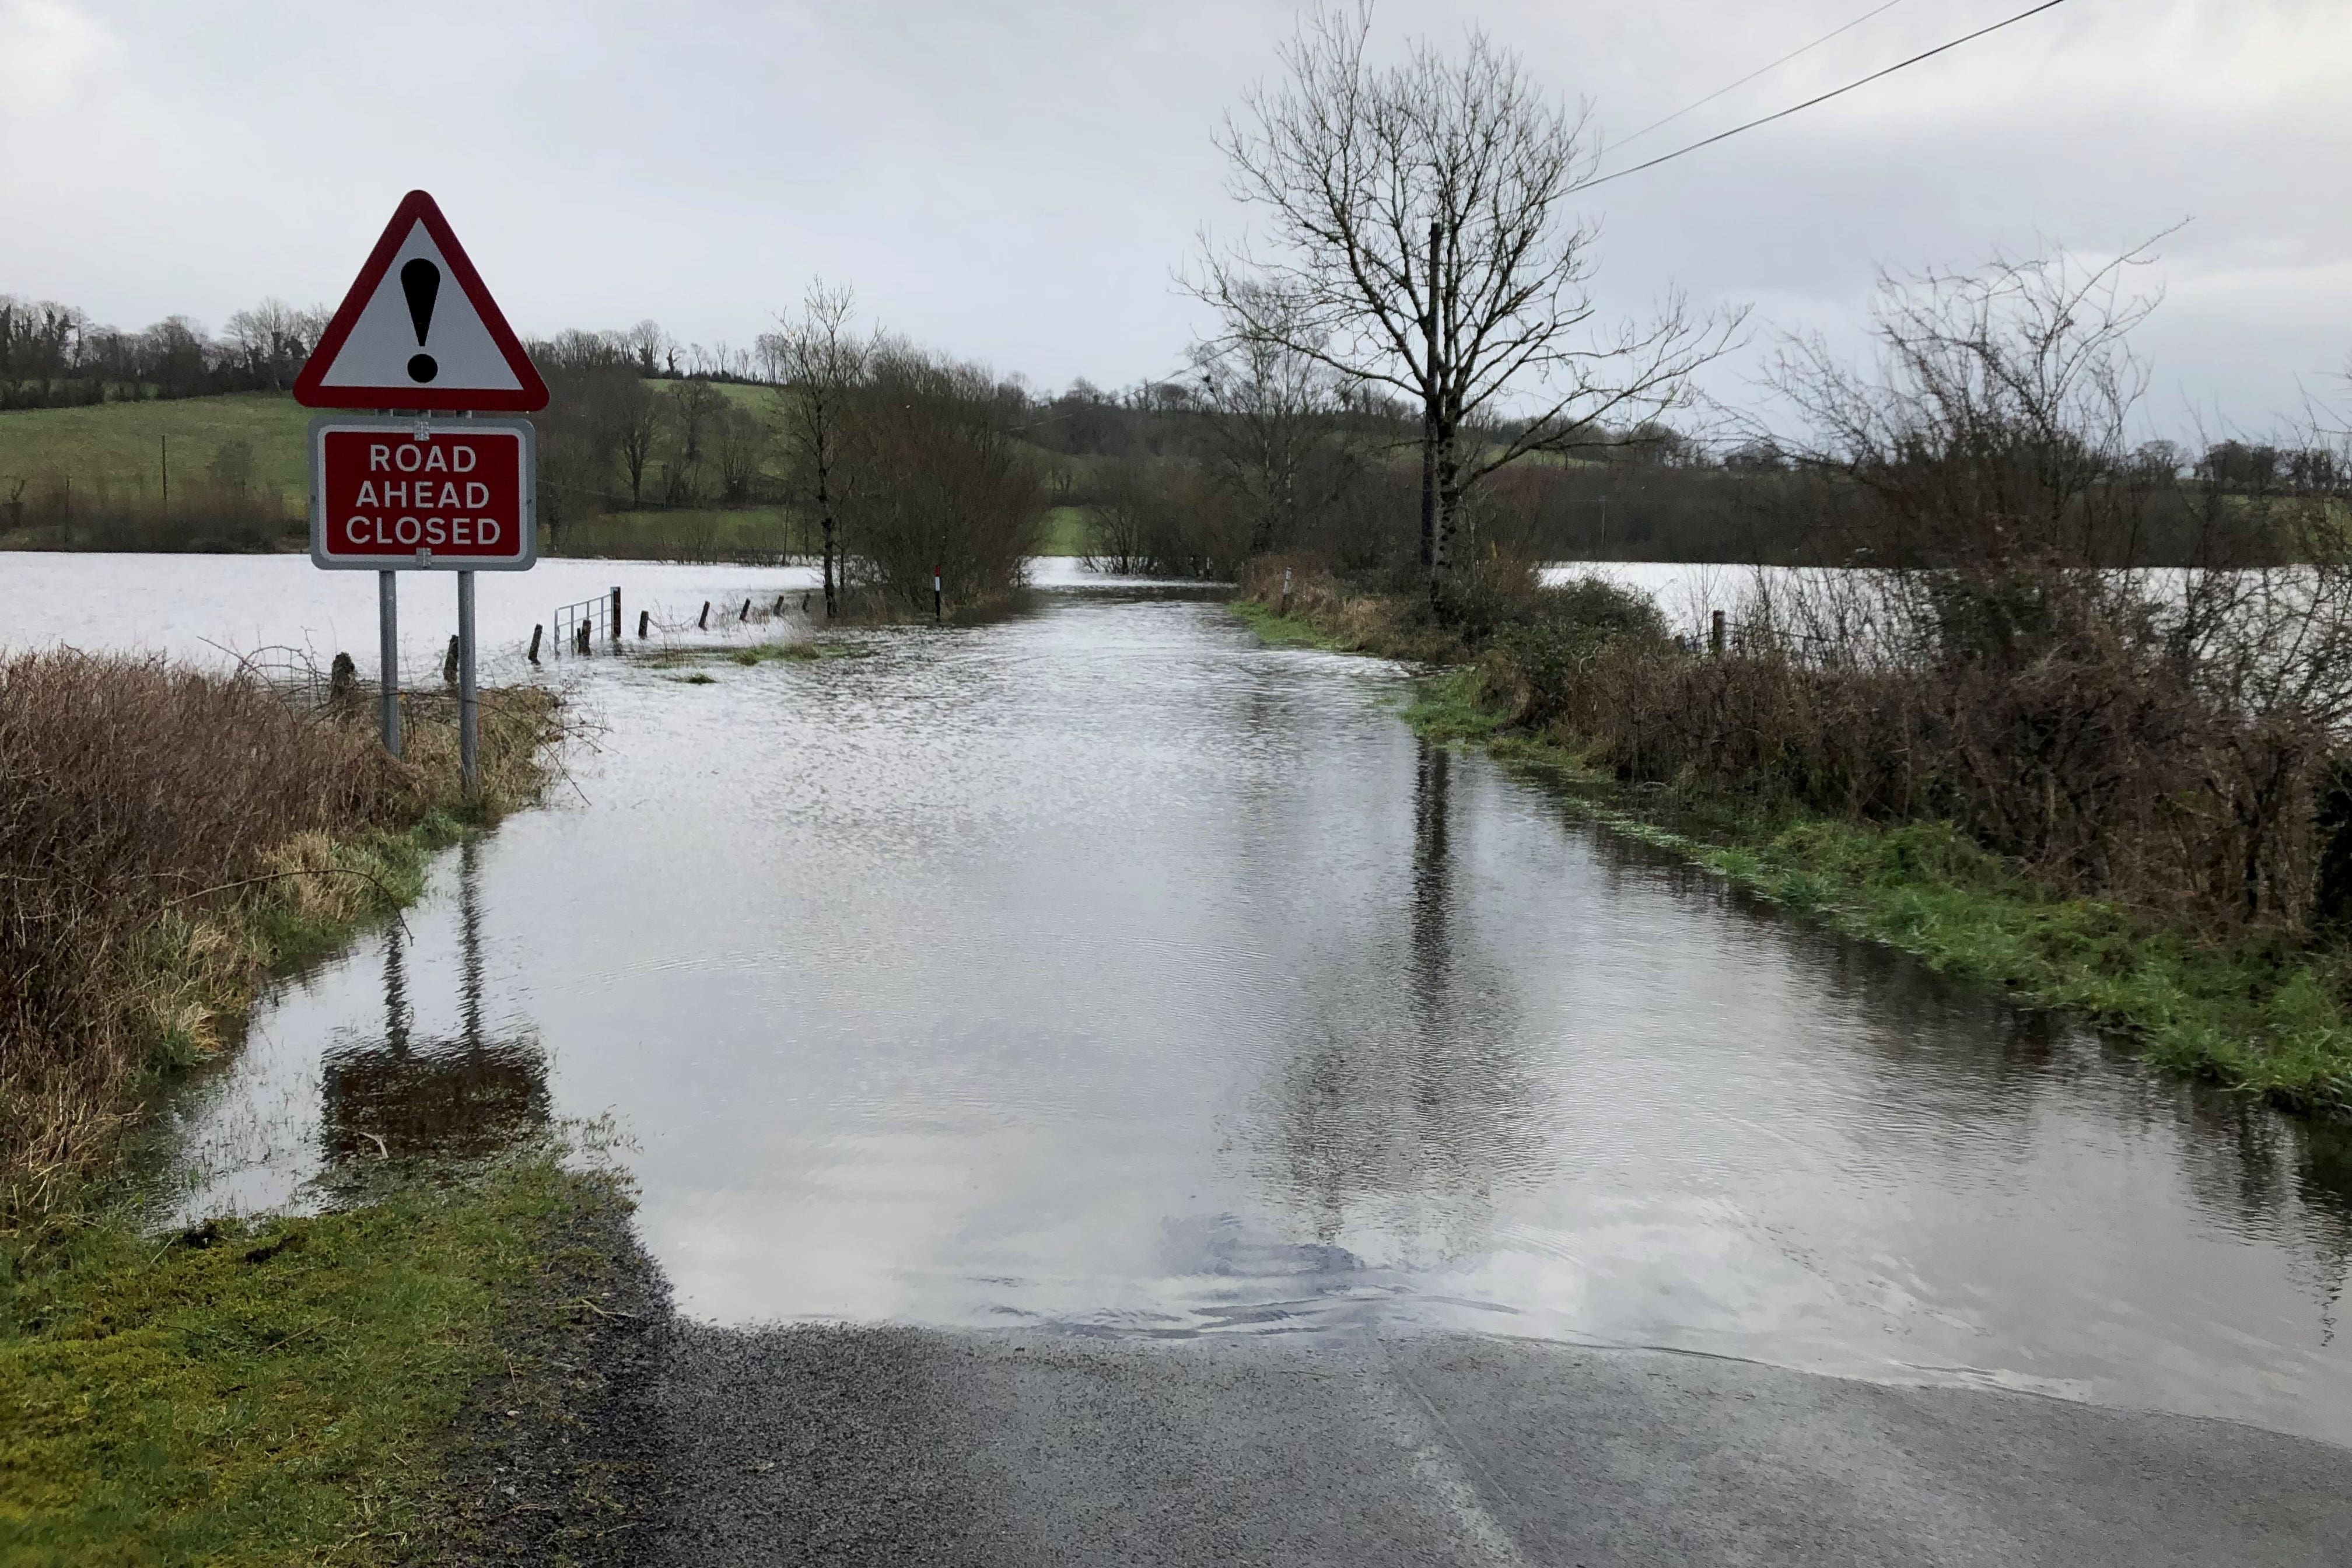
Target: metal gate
578	627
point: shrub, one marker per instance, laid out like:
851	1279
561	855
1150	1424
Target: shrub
1538	657
935	481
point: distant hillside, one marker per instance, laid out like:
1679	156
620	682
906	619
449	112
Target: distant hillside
118	449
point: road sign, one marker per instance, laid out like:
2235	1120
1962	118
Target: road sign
418	330
389	494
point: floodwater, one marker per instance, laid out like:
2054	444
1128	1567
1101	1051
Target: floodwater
1101	968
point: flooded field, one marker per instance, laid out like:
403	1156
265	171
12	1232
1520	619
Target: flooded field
1101	968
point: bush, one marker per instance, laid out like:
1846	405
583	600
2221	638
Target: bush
2084	753
1162	518
935	481
1540	656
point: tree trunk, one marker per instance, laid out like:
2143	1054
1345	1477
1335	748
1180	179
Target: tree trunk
1445	484
1430	561
824	516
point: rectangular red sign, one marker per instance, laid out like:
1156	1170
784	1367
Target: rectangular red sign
394	494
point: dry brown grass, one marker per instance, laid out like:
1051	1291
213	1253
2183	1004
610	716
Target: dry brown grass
2099	774
167	837
1349	616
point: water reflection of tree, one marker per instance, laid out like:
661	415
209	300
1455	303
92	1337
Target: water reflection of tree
469	1094
1407	1107
1975	1064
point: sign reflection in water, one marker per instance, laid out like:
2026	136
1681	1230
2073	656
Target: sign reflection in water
468	1094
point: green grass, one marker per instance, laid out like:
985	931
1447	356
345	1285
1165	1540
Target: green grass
117	448
1277	630
1447	709
2254	1015
1065	531
278	1393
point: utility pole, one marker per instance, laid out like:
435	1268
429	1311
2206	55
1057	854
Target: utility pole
166	442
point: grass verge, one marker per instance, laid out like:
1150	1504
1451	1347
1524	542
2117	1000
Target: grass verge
2261	1015
288	1391
1279	630
2256	1016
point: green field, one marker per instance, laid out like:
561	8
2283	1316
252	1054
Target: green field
118	449
1065	531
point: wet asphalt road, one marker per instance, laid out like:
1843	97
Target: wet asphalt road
856	1446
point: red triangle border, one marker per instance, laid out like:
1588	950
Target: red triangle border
416	207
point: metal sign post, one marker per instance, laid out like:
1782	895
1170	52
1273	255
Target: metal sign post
393	495
387	600
466	733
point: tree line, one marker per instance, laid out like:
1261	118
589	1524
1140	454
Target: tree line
55	356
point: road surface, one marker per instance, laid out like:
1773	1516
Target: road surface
880	1445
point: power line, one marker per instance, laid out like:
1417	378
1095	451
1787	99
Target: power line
1824	98
1761	70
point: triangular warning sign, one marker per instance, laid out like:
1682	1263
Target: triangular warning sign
418	330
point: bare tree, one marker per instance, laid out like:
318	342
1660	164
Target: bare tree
1166	516
693	404
1273	437
655	351
939	481
1422	242
817	364
629	417
1995	426
273	339
738	441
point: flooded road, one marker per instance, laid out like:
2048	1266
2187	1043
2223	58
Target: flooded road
1103	970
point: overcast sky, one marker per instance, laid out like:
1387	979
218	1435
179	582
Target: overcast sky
1016	182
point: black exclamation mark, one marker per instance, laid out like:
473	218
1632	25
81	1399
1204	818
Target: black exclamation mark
421	281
